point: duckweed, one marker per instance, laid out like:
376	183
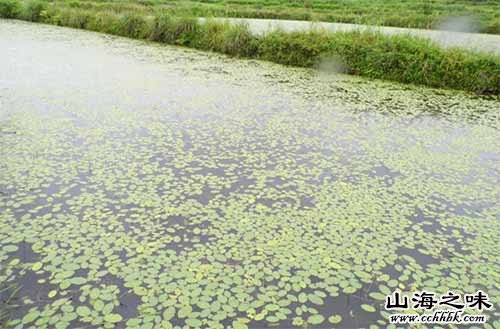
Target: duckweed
180	189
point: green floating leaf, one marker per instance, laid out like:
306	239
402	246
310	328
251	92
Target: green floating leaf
166	325
113	318
169	313
272	307
10	248
349	290
368	308
272	319
315	299
99	305
37	266
302	298
334	319
31	316
320	293
185	311
83	311
239	325
316	319
384	289
377	296
195	323
392	283
77	281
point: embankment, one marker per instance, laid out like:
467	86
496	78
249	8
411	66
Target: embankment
397	58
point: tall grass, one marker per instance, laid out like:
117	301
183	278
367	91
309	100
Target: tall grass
408	13
9	8
396	58
174	30
32	10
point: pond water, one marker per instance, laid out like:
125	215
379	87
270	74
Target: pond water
149	186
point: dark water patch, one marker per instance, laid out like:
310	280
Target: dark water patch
422	259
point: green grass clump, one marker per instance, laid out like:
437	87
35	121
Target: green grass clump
222	37
106	22
238	41
296	48
174	30
9	8
32	11
414	60
397	58
71	18
133	26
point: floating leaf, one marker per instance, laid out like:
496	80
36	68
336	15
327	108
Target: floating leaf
31	316
194	323
83	311
315	299
169	313
239	325
37	266
377	296
368	308
334	319
9	248
316	319
184	311
113	318
77	280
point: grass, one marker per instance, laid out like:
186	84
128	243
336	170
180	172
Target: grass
484	14
396	58
9	8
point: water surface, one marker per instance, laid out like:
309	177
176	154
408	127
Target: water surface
149	186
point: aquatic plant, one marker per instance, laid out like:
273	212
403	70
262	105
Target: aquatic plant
249	195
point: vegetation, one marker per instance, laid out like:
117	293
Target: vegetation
481	15
171	189
9	8
252	196
396	58
485	14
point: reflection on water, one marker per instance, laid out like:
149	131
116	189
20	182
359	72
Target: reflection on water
146	186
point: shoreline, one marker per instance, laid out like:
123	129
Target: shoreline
399	58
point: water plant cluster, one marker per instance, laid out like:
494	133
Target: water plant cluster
397	58
242	200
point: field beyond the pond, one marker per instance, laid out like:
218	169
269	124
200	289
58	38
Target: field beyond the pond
462	15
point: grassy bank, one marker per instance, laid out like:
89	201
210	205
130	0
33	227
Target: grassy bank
477	15
396	58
